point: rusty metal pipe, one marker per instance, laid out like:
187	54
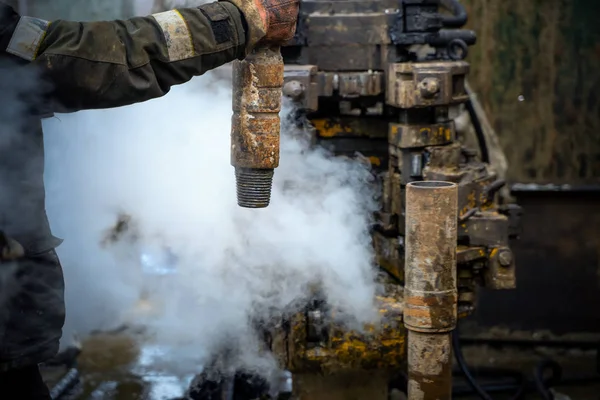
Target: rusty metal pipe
257	88
429	366
430	292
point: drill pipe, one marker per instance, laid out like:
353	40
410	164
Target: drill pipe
257	87
430	291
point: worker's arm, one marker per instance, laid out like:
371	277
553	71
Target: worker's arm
111	64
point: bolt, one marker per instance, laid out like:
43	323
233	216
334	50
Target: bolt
293	90
505	258
429	87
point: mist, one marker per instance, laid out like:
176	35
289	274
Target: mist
193	268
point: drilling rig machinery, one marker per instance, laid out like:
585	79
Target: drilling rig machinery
387	79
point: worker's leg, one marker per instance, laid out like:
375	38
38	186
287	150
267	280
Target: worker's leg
23	384
32	314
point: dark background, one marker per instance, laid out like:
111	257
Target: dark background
548	52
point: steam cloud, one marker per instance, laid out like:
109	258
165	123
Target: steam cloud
206	266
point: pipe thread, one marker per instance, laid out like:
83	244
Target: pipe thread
253	187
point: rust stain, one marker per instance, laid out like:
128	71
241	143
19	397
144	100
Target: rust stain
430	366
256	104
381	346
375	161
329	129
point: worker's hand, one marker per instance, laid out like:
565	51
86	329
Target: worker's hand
10	249
270	22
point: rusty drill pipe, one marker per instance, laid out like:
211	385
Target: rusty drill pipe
430	292
257	87
429	366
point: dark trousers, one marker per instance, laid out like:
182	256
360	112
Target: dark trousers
23	384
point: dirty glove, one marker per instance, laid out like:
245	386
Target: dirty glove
10	248
270	22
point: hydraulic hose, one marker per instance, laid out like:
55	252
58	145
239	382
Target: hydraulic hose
485	154
459	14
460	359
540	384
543	385
499	381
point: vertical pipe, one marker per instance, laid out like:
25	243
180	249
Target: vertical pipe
257	89
430	292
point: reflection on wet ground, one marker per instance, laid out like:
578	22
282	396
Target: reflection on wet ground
113	367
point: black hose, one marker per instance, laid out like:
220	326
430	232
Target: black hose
459	14
514	381
543	385
485	155
477	388
540	384
460	359
504	380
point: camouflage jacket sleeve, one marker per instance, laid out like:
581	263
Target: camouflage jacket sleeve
95	65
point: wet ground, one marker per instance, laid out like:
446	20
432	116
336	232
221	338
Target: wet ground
113	367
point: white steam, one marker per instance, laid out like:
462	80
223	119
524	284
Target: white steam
166	164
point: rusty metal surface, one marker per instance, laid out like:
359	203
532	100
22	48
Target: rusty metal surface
356	90
257	85
255	124
406	136
354	32
414	110
536	73
351	127
301	86
484	227
500	273
388	255
315	342
430	366
426	84
430	291
346	135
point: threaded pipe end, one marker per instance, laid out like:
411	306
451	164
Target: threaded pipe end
253	187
